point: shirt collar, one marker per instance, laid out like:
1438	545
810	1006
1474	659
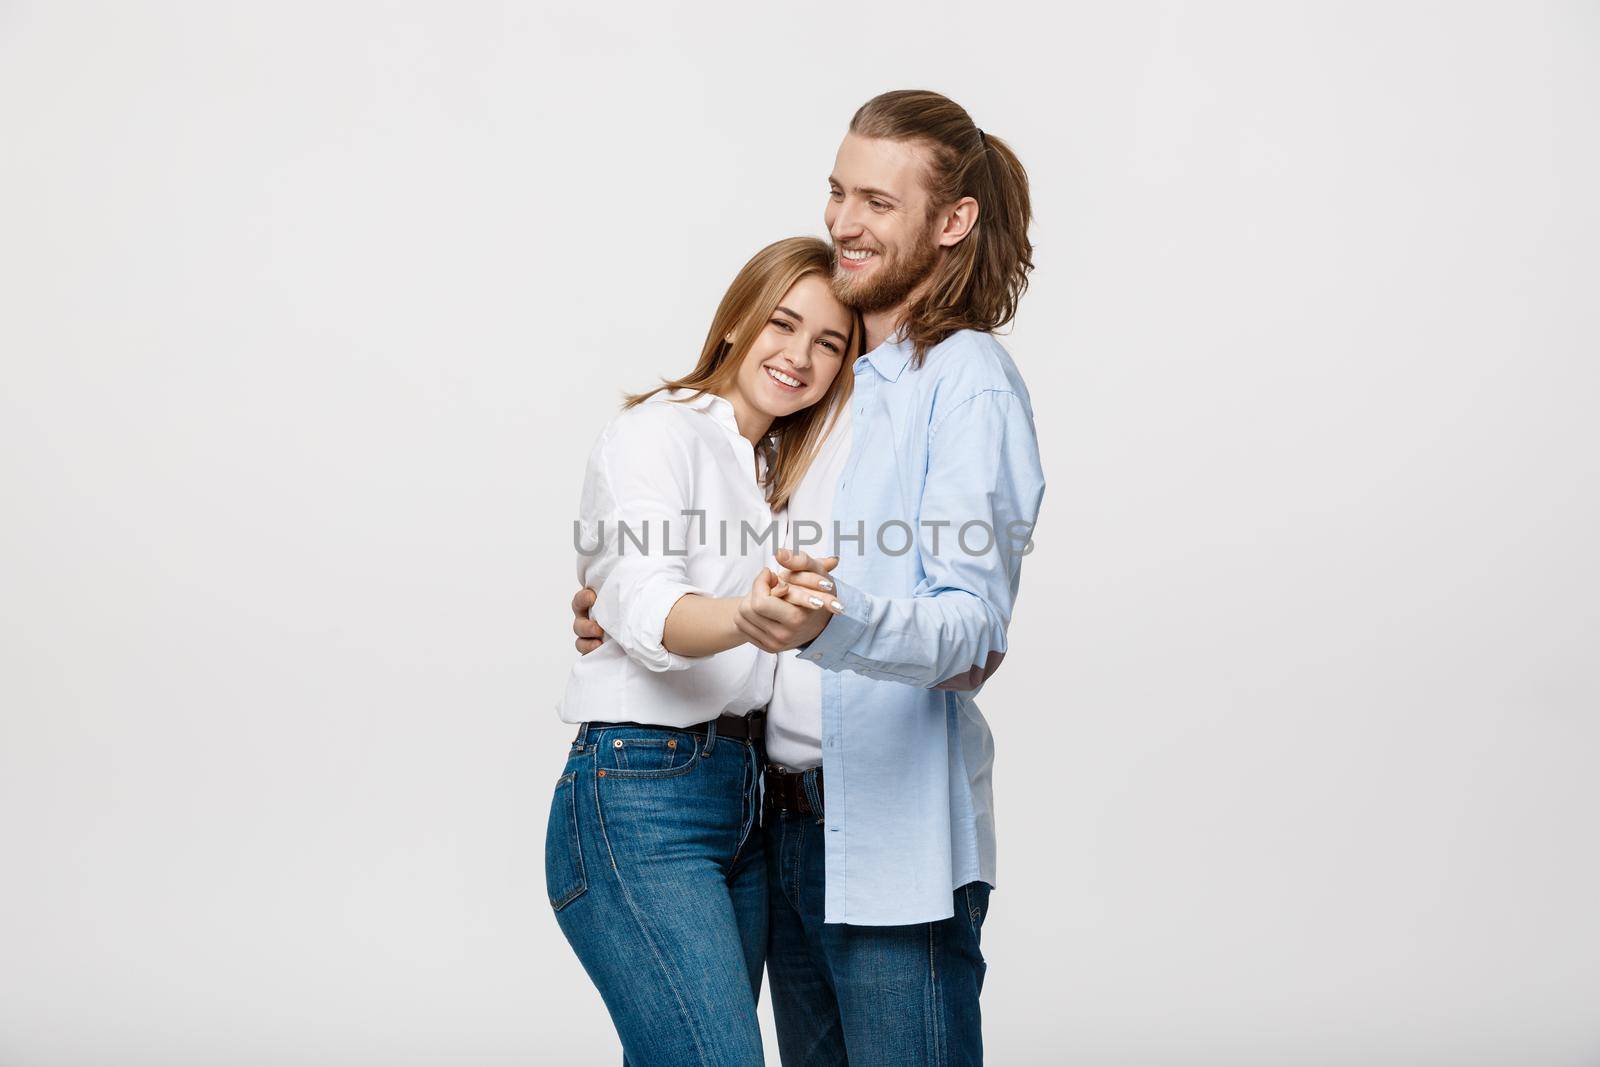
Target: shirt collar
718	407
890	358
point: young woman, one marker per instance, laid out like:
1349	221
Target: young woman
653	858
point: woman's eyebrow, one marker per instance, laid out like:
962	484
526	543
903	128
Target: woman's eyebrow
801	318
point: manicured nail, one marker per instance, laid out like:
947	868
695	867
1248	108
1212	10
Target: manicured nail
827	586
816	602
836	606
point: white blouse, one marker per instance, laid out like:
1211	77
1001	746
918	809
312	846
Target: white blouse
642	543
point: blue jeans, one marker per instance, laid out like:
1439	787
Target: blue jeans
658	877
875	996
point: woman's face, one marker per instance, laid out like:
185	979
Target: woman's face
797	353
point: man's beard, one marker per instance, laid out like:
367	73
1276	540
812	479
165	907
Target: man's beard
891	283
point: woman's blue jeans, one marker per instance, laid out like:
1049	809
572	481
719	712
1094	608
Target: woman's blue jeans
657	872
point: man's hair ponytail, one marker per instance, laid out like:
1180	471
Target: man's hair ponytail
980	280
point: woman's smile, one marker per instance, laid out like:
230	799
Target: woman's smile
787	382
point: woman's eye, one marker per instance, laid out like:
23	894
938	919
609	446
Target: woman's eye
784	325
830	346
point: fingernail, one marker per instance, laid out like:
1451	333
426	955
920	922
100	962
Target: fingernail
836	606
827	586
816	602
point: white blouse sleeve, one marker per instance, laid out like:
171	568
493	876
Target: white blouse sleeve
634	533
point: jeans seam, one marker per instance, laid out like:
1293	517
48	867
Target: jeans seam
747	830
799	854
576	840
936	1035
644	931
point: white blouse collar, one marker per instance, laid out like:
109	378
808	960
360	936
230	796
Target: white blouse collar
718	407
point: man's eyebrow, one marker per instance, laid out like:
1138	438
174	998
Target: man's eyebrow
867	190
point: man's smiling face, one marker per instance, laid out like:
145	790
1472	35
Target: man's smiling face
881	221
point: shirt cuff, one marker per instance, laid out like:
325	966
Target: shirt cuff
830	648
647	620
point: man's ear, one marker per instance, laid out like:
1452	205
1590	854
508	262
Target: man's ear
959	220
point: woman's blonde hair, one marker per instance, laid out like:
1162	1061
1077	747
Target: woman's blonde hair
746	307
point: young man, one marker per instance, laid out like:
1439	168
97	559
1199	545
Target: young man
880	817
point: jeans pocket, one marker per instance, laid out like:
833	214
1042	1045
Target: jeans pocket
629	755
655	753
563	855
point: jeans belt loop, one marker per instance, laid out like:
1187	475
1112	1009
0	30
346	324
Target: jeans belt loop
711	737
808	782
583	736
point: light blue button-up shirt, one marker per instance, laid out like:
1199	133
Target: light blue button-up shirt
943	487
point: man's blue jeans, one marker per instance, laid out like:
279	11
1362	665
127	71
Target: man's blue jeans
876	996
658	876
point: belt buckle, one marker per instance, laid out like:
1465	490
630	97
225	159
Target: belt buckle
776	780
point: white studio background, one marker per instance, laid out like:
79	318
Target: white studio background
309	313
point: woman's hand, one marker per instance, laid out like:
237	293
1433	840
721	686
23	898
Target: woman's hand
778	614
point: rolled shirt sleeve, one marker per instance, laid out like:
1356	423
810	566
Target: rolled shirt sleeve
633	537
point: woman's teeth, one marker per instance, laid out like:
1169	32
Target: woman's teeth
783	379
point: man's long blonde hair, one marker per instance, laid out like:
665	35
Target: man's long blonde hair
746	307
978	283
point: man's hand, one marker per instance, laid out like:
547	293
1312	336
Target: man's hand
795	562
589	633
777	615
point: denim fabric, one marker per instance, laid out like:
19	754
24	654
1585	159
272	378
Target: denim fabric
877	996
657	874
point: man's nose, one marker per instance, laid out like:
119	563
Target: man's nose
845	225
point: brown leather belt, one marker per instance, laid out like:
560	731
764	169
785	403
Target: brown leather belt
786	790
751	727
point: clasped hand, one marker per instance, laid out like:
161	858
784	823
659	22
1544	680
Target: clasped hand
779	612
785	611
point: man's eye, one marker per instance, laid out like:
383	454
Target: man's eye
878	205
835	194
